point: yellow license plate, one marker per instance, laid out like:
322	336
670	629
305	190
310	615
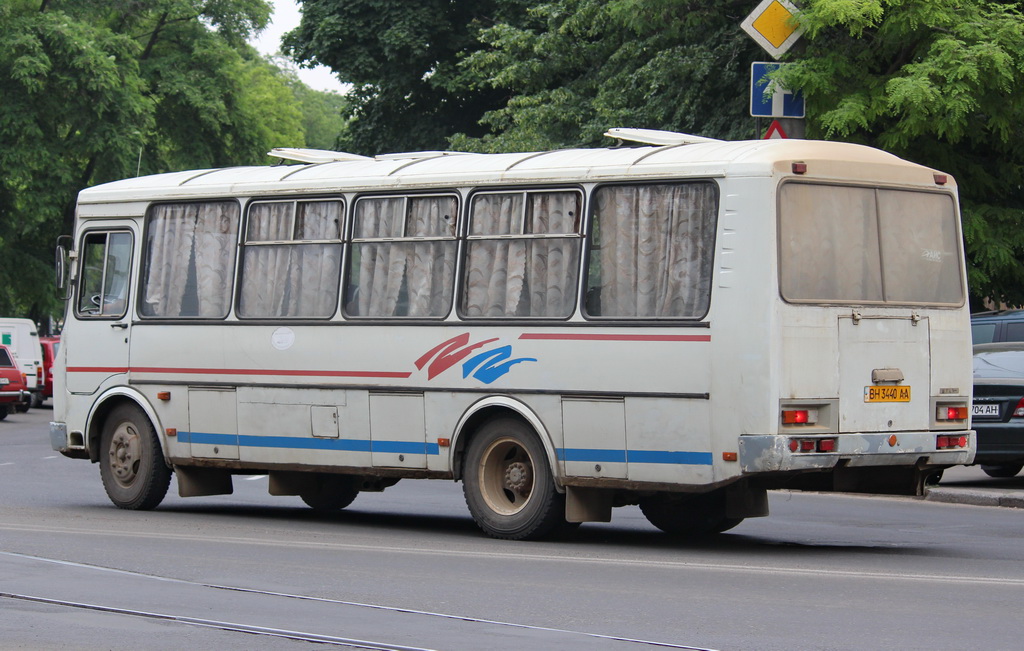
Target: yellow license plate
887	394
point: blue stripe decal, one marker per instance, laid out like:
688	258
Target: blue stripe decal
677	457
587	454
636	456
415	447
296	443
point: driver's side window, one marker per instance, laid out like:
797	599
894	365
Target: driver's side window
105	267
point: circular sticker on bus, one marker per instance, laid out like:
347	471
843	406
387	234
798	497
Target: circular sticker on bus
283	338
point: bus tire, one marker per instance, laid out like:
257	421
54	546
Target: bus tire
330	493
508	484
689	515
131	463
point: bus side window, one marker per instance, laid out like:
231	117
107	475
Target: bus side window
190	259
522	257
651	251
402	259
291	260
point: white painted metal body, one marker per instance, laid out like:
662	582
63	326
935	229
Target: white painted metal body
667	405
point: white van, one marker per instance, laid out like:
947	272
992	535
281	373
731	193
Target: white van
22	337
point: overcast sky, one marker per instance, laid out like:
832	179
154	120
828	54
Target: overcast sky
286	18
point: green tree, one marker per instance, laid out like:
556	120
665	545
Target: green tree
73	108
940	83
322	111
401	57
580	66
95	90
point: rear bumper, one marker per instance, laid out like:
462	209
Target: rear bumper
14	396
772	453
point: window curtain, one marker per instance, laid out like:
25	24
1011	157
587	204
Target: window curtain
317	267
655	250
430	266
406	277
293	279
197	235
530	275
381	264
552	264
265	268
495	269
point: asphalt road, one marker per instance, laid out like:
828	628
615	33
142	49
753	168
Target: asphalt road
407	568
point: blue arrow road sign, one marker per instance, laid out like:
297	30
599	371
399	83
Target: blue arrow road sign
770	100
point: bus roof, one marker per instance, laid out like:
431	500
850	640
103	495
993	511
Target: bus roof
453	169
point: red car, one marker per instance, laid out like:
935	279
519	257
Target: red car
50	347
13	386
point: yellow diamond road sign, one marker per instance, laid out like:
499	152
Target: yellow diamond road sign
771	25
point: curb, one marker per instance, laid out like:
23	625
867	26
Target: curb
1012	499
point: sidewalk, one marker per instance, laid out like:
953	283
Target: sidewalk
970	485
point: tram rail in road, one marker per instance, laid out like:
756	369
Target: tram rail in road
179	602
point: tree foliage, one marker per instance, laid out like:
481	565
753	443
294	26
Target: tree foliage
582	66
95	90
401	56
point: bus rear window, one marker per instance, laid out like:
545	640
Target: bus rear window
860	245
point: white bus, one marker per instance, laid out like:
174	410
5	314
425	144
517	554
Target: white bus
680	325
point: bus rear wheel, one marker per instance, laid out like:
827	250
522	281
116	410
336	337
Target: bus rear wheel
131	463
329	493
508	484
689	515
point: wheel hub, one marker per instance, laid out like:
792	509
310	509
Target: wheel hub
518	478
124	455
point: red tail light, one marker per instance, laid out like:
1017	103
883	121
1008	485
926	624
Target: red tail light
792	416
1018	411
799	416
946	442
956	413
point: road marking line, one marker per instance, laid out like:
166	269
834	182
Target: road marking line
513	555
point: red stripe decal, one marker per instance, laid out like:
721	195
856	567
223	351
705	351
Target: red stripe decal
604	337
243	371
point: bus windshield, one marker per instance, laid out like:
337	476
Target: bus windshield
859	245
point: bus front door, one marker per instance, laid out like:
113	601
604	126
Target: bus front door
97	341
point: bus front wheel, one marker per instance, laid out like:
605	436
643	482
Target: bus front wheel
131	464
508	484
689	515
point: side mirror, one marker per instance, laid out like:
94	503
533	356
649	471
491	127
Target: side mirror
63	255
